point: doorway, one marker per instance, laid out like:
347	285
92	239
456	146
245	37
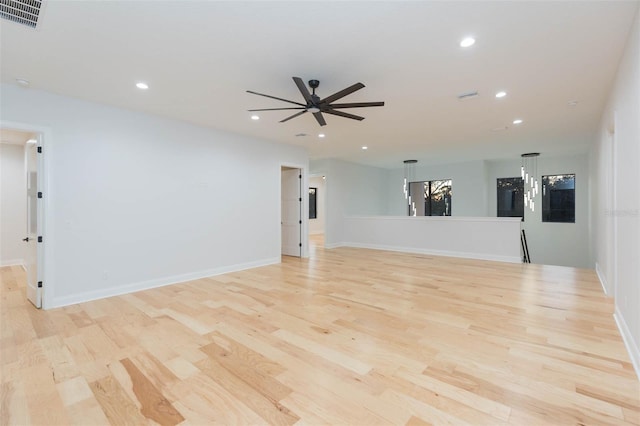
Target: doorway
22	206
317	220
291	211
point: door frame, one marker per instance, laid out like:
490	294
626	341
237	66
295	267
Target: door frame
45	259
304	228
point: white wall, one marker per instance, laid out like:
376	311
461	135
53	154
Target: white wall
139	201
351	189
13	204
469	197
316	226
487	238
616	219
565	244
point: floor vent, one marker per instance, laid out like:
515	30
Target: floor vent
23	12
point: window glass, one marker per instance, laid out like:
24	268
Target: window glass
558	198
431	198
313	214
510	194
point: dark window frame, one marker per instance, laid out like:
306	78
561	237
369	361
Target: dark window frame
558	204
517	197
313	202
428	197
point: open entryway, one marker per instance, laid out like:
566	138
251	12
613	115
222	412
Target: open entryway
291	211
21	221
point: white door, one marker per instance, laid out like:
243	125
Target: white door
291	212
32	252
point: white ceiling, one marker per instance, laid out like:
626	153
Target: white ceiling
200	57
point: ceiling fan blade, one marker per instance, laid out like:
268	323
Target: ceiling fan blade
319	118
342	93
273	97
274	109
303	89
344	114
357	105
293	116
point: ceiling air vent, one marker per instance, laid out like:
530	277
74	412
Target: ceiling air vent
23	12
468	95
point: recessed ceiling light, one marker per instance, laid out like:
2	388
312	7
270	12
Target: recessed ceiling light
321	135
364	148
23	82
467	41
517	121
141	85
501	94
572	103
255	117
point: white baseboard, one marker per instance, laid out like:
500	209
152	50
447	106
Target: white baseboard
12	262
159	282
333	245
629	342
479	256
603	280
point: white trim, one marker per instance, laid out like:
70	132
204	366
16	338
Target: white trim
159	282
305	204
334	245
479	256
12	262
441	218
602	279
629	343
48	266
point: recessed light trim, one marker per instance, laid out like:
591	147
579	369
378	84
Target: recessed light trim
364	148
501	94
255	117
517	121
467	42
321	135
142	85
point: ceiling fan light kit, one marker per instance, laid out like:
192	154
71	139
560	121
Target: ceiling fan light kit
317	106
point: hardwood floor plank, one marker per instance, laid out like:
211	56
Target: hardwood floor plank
153	404
116	405
349	336
271	410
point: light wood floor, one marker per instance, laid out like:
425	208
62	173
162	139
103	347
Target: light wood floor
349	336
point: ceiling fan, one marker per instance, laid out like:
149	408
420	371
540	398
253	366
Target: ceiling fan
317	106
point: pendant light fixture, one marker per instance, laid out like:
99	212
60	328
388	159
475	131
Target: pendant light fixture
529	174
409	176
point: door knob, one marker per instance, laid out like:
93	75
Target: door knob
26	239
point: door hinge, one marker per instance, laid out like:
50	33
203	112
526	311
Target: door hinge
39	284
299	176
300	199
39	150
39	239
299	244
300	222
39	194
